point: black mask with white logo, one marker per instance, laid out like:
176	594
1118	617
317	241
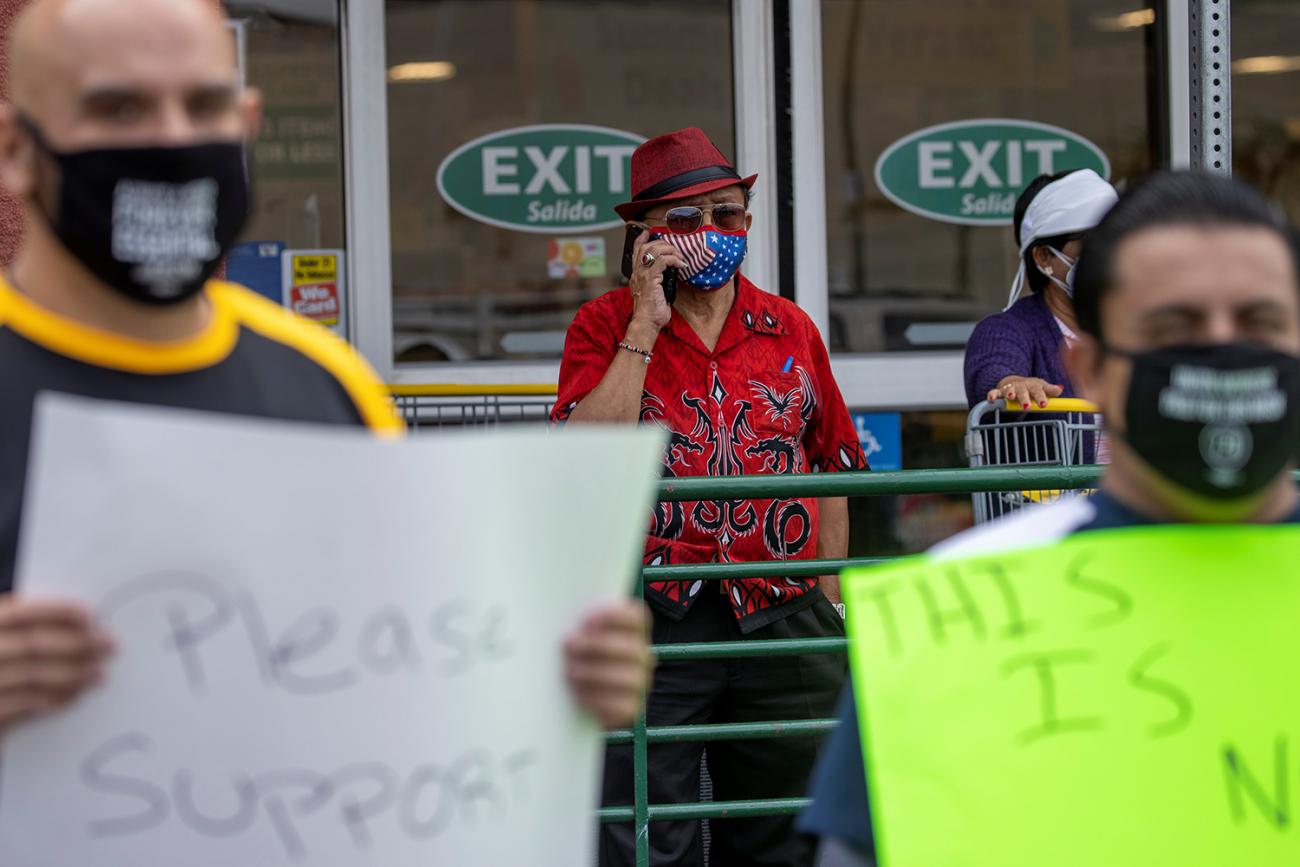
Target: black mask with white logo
1221	420
151	222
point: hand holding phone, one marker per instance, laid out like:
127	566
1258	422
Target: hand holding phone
634	231
651	282
669	279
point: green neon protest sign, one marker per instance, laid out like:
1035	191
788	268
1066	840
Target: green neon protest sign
1125	697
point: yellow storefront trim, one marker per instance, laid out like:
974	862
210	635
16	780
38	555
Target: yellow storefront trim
458	390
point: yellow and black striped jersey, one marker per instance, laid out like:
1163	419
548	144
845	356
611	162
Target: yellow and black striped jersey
252	358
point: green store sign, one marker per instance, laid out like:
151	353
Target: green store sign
547	179
971	171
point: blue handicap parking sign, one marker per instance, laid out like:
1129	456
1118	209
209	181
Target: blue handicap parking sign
881	435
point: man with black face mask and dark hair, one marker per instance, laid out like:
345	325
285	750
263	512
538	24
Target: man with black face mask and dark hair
124	142
1188	302
1191	332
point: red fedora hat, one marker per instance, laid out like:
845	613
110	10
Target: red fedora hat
677	165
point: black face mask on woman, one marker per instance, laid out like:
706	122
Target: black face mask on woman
151	222
1221	420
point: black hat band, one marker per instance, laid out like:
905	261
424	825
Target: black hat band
686	179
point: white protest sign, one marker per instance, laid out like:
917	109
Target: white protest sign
332	650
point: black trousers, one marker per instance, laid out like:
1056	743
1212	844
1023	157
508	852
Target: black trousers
728	690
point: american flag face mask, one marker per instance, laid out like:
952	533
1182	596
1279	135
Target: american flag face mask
711	256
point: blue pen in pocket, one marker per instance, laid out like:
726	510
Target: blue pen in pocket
789	363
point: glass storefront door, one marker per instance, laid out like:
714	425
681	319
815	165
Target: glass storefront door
510	127
936	115
481	138
1265	107
289	51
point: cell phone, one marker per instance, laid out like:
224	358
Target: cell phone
634	231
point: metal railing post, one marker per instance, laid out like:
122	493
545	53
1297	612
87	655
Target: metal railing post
641	793
640	766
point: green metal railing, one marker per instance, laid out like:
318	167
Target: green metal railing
955	481
946	481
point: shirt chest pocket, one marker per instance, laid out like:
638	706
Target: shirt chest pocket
778	401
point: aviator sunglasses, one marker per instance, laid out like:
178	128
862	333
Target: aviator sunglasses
728	217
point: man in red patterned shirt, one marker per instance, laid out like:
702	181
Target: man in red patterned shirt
741	381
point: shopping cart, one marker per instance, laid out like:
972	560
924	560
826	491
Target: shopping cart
1066	432
424	406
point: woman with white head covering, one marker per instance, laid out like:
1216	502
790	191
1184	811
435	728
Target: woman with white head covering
1016	354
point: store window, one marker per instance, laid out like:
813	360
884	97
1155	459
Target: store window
966	101
911	523
289	50
1265	108
510	127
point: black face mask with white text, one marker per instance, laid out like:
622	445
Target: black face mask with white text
151	222
1220	420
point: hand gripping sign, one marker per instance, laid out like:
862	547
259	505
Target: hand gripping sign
359	667
1125	697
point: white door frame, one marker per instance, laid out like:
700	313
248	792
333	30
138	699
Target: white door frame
1178	76
365	182
755	95
808	149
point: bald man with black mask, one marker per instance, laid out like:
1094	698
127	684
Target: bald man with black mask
125	144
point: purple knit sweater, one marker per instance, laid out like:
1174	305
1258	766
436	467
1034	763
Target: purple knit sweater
1023	340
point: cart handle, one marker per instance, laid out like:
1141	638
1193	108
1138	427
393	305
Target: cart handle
1054	404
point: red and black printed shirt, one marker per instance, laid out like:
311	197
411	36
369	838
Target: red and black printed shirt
763	401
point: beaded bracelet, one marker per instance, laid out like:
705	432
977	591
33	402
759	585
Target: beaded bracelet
642	352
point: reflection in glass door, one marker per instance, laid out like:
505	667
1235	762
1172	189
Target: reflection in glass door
510	125
936	115
290	53
1265	108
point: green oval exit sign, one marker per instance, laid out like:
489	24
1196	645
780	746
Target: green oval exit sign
971	171
548	178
